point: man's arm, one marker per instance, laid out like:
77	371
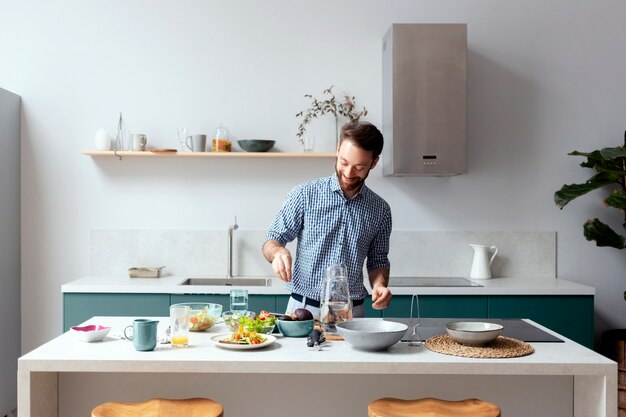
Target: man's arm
280	258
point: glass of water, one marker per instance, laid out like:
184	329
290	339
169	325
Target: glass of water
238	300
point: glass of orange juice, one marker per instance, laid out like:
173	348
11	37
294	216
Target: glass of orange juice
179	326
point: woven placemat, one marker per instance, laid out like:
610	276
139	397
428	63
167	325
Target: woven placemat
502	347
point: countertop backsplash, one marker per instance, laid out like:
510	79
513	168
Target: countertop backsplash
412	253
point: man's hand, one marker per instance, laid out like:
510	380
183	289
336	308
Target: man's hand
381	297
281	264
280	257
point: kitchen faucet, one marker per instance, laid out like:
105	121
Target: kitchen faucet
229	272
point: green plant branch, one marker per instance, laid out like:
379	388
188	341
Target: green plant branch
330	105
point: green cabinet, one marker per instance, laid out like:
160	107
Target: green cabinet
439	306
572	315
78	307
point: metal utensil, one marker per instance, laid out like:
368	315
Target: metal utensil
415	339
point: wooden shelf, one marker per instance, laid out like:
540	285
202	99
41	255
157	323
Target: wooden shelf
149	154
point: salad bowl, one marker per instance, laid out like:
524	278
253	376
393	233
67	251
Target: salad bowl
202	316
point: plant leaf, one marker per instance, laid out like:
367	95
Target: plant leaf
571	191
603	235
617	199
612	153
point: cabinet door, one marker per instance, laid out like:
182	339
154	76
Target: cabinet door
256	302
78	307
571	315
439	306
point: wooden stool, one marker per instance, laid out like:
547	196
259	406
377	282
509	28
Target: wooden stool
159	407
432	407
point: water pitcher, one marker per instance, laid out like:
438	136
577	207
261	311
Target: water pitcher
481	266
335	304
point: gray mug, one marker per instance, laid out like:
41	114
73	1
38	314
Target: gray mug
198	143
138	142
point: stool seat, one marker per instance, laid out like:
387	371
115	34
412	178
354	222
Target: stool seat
160	407
432	407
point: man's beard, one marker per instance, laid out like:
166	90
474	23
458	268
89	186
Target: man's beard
347	187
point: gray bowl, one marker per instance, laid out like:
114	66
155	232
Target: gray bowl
371	334
473	333
256	145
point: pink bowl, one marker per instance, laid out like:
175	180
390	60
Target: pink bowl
90	333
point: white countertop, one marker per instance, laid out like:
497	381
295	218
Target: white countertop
171	285
290	355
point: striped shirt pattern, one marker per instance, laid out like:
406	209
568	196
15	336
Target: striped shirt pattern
331	229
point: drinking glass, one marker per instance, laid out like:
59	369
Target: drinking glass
238	300
309	143
179	326
335	303
182	138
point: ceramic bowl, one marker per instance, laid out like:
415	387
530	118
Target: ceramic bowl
292	328
371	334
202	316
256	145
473	333
90	333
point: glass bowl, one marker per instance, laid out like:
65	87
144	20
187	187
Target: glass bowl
231	318
202	316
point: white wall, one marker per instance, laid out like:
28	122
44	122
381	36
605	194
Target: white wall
545	78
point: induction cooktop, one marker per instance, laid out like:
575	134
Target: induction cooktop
431	282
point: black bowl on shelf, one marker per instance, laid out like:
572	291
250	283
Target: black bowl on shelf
256	145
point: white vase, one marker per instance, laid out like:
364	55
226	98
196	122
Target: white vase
103	140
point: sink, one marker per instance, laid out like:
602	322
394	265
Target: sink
239	281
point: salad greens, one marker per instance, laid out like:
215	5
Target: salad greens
259	324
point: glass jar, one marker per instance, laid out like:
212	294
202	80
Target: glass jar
221	141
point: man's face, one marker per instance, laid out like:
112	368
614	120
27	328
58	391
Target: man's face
353	166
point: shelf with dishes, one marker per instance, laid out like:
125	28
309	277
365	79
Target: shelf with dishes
173	153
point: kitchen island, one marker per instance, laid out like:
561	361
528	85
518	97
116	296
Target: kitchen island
66	377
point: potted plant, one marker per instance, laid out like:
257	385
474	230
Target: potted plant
330	105
609	165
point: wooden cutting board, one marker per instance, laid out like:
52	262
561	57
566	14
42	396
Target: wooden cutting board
332	336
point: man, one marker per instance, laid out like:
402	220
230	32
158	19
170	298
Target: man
336	219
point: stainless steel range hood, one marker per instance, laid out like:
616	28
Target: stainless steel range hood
425	99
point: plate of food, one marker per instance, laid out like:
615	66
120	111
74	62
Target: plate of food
243	340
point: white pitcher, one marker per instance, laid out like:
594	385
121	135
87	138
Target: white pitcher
481	266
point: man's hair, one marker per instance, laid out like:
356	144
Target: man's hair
364	135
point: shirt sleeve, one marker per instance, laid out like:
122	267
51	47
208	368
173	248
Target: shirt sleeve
377	256
289	219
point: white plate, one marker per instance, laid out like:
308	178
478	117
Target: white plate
216	340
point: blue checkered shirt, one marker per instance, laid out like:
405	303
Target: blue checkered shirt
331	229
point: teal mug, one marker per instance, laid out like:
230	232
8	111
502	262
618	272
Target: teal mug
144	335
